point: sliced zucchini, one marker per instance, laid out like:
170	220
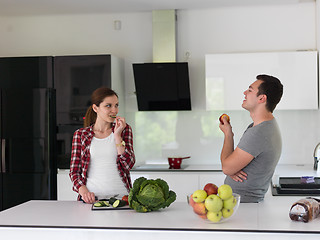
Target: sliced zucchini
101	204
98	204
119	203
112	200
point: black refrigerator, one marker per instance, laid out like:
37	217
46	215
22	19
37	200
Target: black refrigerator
28	168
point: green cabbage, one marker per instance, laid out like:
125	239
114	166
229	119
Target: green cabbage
150	195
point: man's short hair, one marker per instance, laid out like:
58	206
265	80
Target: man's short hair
272	88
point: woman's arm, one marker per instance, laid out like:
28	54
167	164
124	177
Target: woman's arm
127	158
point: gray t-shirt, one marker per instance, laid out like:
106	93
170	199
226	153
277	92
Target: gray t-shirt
264	143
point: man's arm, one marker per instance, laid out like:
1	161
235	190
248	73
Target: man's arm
235	162
232	160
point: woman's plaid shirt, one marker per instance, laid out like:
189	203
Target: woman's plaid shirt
80	157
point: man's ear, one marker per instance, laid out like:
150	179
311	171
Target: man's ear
262	98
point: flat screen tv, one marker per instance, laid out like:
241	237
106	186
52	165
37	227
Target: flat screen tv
162	86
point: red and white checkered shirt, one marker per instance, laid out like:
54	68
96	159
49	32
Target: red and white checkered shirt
80	157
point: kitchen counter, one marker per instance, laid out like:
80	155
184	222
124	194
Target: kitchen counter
184	168
75	220
290	170
295	170
281	169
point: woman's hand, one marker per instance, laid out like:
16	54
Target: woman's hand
239	176
87	197
118	128
120	124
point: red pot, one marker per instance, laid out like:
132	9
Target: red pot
175	162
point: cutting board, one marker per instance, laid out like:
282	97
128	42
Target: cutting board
94	208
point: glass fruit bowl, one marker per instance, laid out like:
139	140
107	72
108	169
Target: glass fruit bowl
219	210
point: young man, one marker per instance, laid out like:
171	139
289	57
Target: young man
249	167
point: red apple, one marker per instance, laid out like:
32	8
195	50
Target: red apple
191	201
224	116
211	188
204	216
199	208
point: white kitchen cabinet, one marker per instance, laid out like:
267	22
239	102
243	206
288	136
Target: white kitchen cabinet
212	177
182	183
64	185
228	75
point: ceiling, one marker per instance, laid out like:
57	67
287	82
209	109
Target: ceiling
50	7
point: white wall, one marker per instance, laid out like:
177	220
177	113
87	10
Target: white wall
230	29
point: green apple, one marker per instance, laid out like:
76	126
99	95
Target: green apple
214	216
225	191
199	195
227	212
213	203
230	203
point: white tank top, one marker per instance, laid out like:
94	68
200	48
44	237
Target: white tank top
103	176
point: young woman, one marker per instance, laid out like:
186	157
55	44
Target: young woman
102	152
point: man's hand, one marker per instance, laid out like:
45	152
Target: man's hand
239	176
225	127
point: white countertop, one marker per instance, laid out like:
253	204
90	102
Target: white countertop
268	216
184	168
290	170
296	170
264	220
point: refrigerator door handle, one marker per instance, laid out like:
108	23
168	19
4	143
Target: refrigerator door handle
3	155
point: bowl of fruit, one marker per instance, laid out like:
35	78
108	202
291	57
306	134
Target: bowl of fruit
214	204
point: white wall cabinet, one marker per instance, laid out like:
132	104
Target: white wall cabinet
229	75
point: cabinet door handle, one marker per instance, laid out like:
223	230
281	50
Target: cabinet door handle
3	155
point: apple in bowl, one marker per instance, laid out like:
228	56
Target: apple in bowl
215	208
211	188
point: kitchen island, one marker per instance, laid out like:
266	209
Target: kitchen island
76	220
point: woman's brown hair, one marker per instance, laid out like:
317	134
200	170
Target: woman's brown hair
97	97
